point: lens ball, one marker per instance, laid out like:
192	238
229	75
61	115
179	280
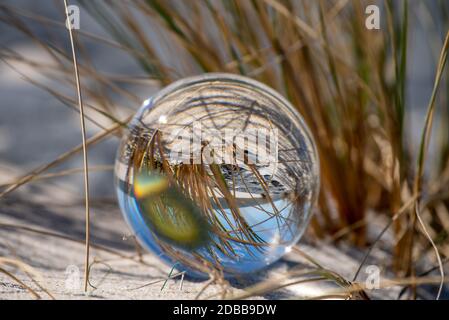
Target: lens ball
217	172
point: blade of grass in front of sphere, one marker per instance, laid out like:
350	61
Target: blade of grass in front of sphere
86	166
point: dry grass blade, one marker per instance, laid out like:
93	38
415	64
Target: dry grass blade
20	282
386	283
301	276
83	129
423	148
68	238
66	173
63	157
396	216
29	271
425	137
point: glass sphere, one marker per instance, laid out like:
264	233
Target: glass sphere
217	172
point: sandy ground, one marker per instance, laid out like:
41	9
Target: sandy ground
116	272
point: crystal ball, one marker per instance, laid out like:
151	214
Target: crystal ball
217	173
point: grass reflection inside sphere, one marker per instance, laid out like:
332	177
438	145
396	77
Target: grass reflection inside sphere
217	172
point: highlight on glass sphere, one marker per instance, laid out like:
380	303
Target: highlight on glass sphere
217	172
